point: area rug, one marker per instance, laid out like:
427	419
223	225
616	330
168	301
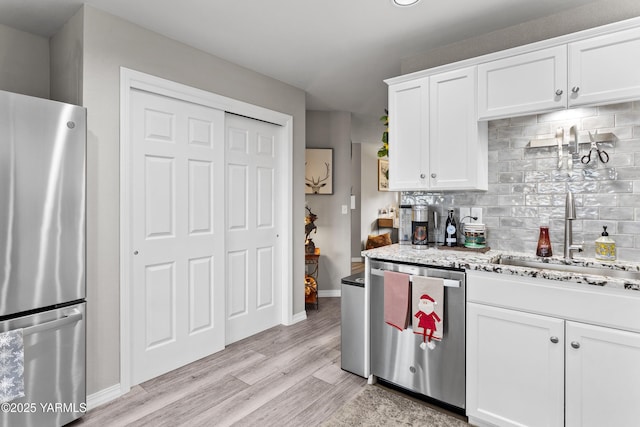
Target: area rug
377	406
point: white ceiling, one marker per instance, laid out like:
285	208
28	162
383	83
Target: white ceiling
338	51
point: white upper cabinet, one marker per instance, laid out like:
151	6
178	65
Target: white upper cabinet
593	71
435	140
458	150
409	135
523	84
604	69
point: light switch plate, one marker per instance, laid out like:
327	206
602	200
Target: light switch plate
345	209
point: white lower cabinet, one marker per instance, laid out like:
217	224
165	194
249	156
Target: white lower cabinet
602	376
515	367
529	365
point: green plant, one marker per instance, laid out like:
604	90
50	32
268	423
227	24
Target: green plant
384	150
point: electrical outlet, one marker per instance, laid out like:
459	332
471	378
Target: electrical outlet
464	212
345	209
477	212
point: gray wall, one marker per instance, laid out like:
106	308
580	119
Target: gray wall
525	183
109	43
25	62
356	183
368	133
66	61
333	237
580	18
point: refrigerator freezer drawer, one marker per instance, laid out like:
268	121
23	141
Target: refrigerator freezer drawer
54	368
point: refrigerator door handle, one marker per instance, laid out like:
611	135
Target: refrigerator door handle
73	316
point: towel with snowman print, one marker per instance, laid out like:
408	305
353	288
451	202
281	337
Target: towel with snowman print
427	297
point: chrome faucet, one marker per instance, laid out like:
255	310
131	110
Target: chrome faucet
569	216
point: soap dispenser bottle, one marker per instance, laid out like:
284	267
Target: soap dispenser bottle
605	247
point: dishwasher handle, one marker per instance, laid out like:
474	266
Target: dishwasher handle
447	282
73	316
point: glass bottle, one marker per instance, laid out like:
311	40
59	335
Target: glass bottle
544	243
450	230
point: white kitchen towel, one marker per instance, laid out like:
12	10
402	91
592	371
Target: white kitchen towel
427	302
11	365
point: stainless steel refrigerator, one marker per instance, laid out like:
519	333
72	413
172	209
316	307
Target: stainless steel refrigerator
42	259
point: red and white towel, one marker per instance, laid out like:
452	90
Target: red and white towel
427	299
396	299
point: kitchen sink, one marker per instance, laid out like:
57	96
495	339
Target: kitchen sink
580	269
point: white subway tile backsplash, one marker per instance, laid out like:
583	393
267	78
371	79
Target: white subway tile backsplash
525	183
627	118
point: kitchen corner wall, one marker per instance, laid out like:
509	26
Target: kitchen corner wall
332	130
525	183
106	43
25	62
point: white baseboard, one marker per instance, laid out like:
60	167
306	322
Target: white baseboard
330	293
103	396
298	317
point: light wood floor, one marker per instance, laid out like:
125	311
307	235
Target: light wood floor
357	267
286	376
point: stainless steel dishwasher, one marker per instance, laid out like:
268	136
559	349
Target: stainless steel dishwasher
396	356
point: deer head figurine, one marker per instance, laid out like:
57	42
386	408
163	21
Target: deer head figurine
317	184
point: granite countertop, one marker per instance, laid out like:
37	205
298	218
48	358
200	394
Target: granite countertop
488	261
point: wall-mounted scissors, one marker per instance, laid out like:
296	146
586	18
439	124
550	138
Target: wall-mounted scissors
602	155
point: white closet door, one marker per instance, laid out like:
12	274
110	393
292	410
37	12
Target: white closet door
253	253
177	284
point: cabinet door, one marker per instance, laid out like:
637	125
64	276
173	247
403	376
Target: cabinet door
523	84
458	147
603	376
408	135
515	367
604	70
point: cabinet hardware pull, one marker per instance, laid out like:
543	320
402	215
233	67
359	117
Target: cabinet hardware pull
555	340
575	344
433	175
559	92
575	89
422	176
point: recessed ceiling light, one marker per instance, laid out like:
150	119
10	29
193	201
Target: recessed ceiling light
405	2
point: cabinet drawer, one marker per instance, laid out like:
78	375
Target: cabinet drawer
616	308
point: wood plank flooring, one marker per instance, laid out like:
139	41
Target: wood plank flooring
357	267
285	376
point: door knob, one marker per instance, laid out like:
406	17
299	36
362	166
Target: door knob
554	340
575	344
559	92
